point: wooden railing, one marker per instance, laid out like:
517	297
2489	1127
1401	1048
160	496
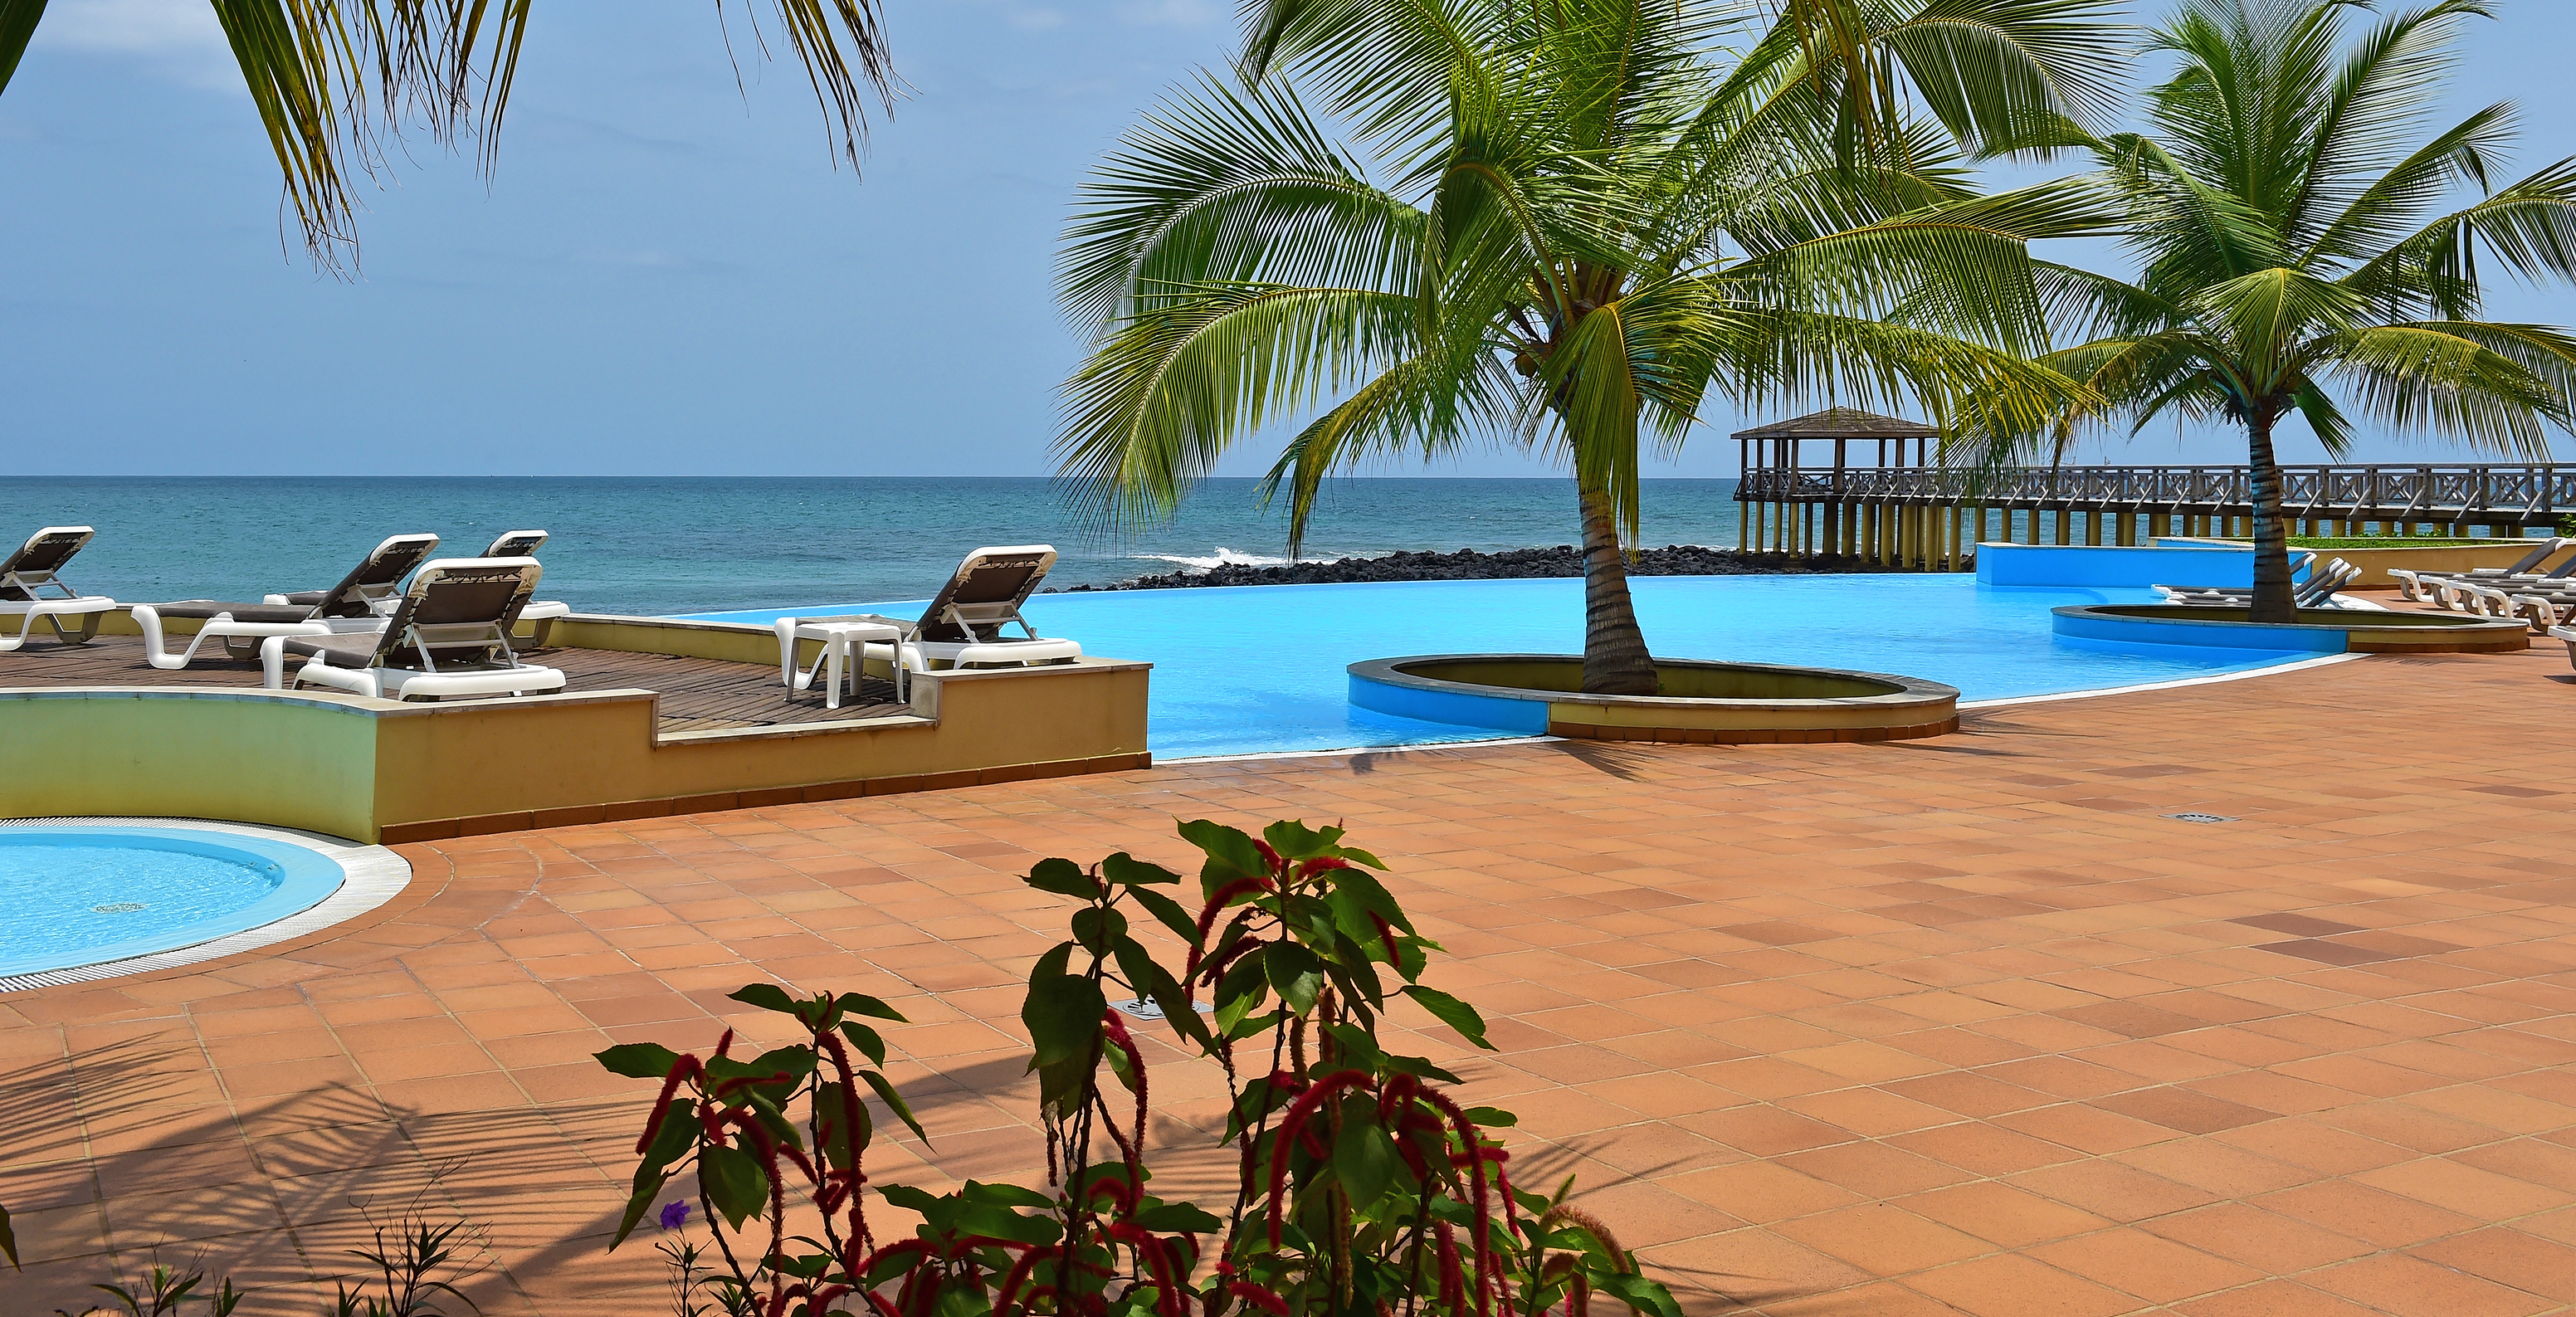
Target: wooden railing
2528	495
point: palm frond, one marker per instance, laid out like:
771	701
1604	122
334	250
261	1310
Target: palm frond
1166	393
2013	75
2416	377
18	19
333	80
1224	184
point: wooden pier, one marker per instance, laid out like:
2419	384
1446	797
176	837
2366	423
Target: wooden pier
1901	510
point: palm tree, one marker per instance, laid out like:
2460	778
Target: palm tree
2279	210
332	79
1559	226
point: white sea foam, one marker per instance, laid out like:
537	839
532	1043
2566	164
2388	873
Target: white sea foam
1226	557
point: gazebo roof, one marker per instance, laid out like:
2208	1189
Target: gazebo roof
1842	423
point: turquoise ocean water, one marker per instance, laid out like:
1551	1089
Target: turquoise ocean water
685	545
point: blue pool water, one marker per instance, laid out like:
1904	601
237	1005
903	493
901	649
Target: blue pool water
1249	669
81	895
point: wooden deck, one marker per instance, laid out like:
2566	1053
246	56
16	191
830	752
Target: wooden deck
698	695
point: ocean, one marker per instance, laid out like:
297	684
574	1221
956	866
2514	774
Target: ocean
650	545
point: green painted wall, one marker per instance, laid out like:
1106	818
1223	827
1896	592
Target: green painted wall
297	763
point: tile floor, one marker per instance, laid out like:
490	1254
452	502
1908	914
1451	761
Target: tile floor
1962	1025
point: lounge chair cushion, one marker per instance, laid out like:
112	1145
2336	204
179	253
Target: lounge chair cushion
351	651
202	609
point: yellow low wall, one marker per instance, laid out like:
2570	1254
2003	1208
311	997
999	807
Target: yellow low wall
377	770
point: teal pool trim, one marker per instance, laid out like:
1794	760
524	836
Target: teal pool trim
302	878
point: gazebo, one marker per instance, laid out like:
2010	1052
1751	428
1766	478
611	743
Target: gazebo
1774	477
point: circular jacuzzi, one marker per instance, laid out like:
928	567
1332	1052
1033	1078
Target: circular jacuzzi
89	898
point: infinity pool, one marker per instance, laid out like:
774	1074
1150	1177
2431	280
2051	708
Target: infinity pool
82	895
1249	669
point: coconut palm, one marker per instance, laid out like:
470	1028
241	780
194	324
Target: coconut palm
1560	226
2281	210
332	79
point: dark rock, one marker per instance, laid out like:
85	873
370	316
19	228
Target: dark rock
1510	564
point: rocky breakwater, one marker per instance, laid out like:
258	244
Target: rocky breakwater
1510	564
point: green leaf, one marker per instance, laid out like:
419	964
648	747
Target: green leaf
1230	853
869	1042
919	1201
1296	973
1151	980
1002	1223
1373	897
1646	1296
770	997
1064	878
840	1143
1063	1014
1364	1159
637	1204
678	1134
1419	1068
1127	871
1492	1117
962	1301
1295	841
1168	911
893	1099
1008	1195
859	1003
638	1060
1450	1011
1242	989
1094	927
1178	1218
735	1181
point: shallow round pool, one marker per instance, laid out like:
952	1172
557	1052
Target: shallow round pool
83	895
1250	669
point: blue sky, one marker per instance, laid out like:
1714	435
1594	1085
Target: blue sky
666	276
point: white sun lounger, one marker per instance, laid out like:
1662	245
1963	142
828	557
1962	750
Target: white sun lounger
2419	585
2452	591
964	626
449	635
540	614
32	587
2317	591
356	606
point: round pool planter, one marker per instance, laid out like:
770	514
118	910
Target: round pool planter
1711	704
2318	630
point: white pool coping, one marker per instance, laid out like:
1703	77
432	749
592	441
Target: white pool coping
1999	702
372	875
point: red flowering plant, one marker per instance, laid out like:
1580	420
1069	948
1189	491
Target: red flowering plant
1364	1186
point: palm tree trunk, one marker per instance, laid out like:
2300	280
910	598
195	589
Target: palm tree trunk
2272	600
1615	661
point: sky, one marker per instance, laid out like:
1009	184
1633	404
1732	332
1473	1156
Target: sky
667	275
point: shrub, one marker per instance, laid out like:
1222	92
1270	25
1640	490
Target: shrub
1363	1185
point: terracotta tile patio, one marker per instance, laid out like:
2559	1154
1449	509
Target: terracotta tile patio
1964	1025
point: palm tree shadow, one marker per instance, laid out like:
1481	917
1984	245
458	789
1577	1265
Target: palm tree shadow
1608	757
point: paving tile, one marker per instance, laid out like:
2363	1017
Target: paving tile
1937	1027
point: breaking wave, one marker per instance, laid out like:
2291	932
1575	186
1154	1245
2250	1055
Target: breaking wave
1226	557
